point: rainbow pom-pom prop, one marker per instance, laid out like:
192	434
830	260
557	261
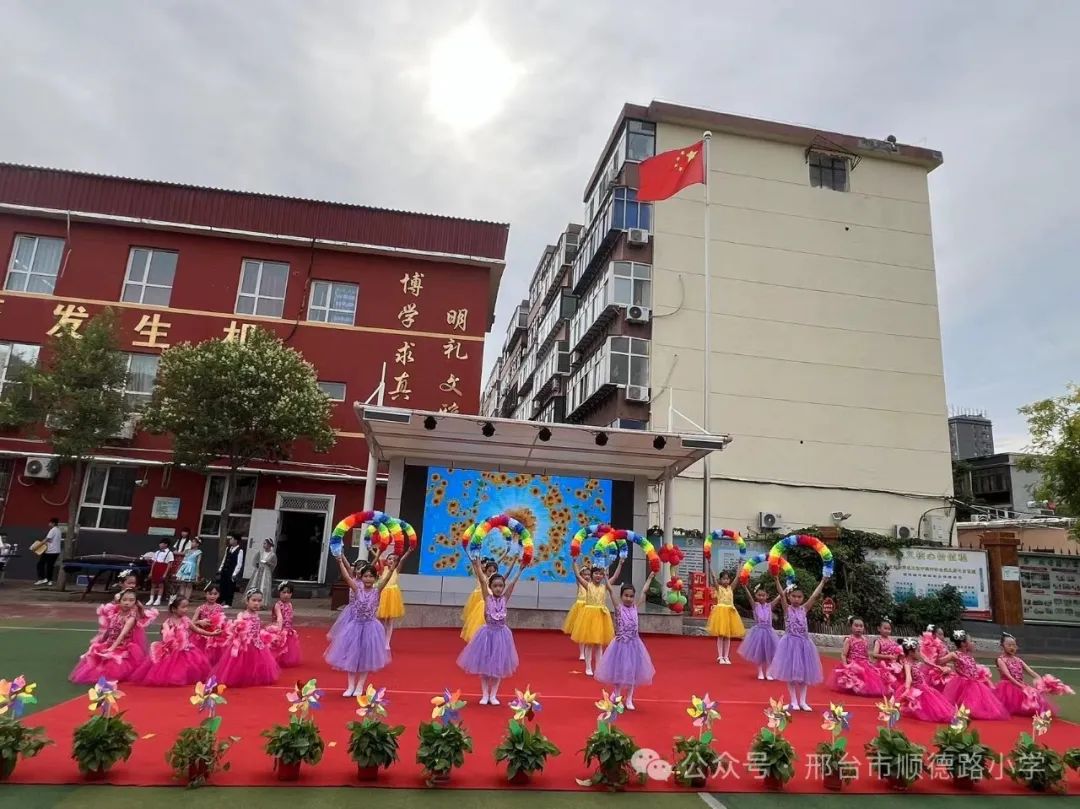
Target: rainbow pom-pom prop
724	533
381	530
613	547
651	556
595	531
777	551
786	570
510	529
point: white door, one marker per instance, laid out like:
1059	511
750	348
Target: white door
264	525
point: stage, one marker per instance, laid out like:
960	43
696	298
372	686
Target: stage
423	665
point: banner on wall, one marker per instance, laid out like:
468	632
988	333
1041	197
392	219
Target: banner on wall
1050	587
924	571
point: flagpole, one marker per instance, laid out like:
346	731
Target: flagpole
706	507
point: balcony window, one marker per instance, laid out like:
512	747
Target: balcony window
141	376
333	302
629	361
35	263
262	288
828	171
14	358
632	283
149	277
629	213
640	140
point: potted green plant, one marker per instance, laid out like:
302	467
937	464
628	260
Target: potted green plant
373	743
1072	758
299	741
695	757
1035	765
105	738
197	752
524	750
609	748
16	740
898	760
772	758
836	767
444	740
960	751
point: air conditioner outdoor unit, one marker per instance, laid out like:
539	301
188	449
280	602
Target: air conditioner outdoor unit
905	532
638	314
637	237
769	520
40	468
637	393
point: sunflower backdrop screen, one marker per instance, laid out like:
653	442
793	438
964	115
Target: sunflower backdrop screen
551	507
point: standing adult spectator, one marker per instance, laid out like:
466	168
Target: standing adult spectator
231	569
46	565
263	577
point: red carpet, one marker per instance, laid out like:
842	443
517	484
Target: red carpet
424	664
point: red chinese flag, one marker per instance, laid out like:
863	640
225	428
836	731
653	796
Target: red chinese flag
669	173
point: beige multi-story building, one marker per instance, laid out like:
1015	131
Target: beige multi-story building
826	363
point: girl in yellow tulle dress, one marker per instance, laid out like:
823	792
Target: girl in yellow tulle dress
472	614
594	628
575	613
725	622
391	604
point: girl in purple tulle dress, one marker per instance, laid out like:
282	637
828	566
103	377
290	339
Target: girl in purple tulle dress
797	661
491	653
971	684
626	662
115	652
284	640
245	660
760	643
914	695
175	659
1019	698
888	656
358	639
856	674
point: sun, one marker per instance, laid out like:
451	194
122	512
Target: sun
471	77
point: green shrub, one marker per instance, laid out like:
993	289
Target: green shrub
945	608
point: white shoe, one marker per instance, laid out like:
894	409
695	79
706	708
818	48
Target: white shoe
791	707
727	662
348	692
40	582
484	700
494	701
760	676
805	707
630	706
588	672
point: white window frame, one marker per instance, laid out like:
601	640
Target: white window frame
257	295
636	347
637	273
145	283
204	512
325	311
5	364
138	397
30	273
102	506
329	395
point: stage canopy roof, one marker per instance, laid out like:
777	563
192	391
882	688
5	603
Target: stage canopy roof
450	439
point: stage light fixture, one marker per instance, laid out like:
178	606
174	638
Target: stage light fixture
430	423
544	434
601	439
659	442
488	429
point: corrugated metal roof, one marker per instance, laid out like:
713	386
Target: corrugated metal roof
238	210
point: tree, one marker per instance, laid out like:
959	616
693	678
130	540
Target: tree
1054	427
235	402
77	397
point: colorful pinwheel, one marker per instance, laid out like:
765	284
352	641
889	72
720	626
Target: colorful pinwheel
888	712
304	697
104	696
611	707
208	696
778	715
372	701
836	720
16	695
525	704
447	707
703	711
961	718
1040	723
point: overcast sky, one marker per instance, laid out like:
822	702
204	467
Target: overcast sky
498	110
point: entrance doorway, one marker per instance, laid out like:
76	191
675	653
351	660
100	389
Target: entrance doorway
300	545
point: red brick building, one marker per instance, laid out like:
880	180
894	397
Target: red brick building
350	287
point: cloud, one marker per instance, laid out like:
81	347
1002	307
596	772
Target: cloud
329	100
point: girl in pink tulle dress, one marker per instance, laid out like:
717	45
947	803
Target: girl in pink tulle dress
246	661
147	615
856	674
114	653
210	617
970	686
175	659
931	649
887	656
1019	698
284	641
916	699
